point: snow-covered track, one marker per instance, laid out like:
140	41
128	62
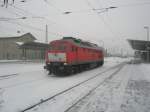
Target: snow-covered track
2	77
118	67
92	90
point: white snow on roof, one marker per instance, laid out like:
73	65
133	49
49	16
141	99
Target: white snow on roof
20	43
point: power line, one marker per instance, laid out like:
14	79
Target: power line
6	29
105	23
10	11
24	12
33	28
135	4
100	2
52	5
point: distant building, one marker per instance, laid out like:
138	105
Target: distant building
21	47
141	48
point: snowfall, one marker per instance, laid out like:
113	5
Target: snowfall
23	84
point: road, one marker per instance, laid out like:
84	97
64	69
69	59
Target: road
125	91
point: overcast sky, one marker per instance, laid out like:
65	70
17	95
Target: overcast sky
111	28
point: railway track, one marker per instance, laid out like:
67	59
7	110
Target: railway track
118	67
90	92
2	77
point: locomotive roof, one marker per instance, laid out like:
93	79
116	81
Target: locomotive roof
81	43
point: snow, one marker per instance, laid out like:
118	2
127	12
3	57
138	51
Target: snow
6	61
105	99
127	91
20	43
19	67
137	94
65	100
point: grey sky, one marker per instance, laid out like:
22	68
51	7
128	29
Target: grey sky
112	27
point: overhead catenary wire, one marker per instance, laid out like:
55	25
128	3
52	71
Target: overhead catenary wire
5	29
32	27
10	11
6	2
24	12
105	23
52	5
134	4
32	16
50	22
17	11
47	1
101	6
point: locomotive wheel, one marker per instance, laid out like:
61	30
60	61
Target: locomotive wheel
81	68
49	72
64	72
102	62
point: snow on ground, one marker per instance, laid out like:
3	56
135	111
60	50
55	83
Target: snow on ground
31	84
6	61
107	97
19	67
128	91
65	100
137	93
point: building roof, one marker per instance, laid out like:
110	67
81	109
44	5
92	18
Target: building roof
140	45
16	37
34	45
84	44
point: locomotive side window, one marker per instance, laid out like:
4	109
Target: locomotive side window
73	49
76	49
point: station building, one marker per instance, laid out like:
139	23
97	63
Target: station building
141	48
22	47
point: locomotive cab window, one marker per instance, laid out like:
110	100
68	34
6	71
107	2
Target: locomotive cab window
59	47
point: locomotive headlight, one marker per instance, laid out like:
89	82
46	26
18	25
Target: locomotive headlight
65	63
48	63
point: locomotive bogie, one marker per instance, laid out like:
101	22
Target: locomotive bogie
60	69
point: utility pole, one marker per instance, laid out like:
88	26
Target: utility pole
147	46
147	28
46	35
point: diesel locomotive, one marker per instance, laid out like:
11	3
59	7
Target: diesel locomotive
70	55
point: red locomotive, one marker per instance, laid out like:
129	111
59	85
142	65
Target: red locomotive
70	55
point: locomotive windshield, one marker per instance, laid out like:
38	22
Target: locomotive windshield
58	47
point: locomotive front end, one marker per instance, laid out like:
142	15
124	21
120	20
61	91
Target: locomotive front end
56	57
